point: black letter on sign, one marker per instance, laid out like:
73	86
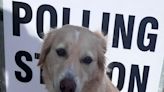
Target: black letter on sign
152	37
121	77
120	26
66	15
22	65
40	13
105	23
141	84
86	16
17	20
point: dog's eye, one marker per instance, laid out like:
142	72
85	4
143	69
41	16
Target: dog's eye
61	52
86	60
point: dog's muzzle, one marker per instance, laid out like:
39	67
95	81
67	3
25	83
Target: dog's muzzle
67	85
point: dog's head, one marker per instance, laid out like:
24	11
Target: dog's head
71	57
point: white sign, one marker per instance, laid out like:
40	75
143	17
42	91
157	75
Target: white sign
134	30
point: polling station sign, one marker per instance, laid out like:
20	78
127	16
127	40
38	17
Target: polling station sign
134	32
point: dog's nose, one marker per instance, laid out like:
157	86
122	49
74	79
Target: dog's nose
67	85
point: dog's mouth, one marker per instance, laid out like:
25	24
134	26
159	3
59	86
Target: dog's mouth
67	85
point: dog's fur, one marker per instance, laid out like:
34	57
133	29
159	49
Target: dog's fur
78	42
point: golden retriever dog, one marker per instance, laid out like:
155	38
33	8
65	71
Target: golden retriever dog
72	59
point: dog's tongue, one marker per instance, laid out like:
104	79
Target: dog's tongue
67	85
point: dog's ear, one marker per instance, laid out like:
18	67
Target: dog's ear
102	40
102	50
46	46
